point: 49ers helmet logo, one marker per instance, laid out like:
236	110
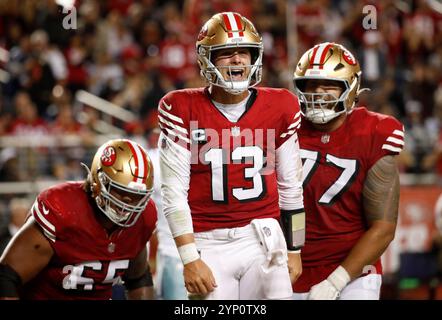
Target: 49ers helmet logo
108	156
348	57
203	32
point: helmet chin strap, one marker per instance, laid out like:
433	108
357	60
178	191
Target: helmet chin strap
326	116
234	87
115	214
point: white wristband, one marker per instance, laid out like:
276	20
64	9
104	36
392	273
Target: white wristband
339	278
188	253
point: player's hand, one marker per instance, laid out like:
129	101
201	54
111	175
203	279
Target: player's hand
295	266
198	278
324	290
330	288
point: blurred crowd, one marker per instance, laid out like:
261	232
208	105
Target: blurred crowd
131	52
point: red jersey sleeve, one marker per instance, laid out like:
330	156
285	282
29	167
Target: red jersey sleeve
173	118
290	116
47	217
388	140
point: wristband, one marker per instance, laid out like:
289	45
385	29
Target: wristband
339	278
293	226
188	253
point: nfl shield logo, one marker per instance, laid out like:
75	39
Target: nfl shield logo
267	231
235	131
325	138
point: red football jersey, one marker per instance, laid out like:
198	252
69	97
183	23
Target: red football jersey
232	176
335	166
86	261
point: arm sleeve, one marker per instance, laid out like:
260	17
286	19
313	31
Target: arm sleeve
289	174
175	178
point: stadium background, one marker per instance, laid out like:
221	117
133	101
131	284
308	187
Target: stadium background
74	73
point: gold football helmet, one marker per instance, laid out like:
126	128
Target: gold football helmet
121	180
229	30
330	62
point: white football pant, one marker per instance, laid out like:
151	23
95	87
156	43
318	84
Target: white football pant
363	288
236	257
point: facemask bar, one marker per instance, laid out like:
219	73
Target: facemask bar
214	76
119	212
320	107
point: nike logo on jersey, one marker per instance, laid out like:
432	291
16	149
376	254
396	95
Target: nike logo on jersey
45	211
167	106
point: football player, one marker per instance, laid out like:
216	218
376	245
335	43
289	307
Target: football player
351	180
82	237
230	169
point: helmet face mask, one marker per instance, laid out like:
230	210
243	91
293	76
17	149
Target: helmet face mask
333	63
121	177
119	212
322	107
224	31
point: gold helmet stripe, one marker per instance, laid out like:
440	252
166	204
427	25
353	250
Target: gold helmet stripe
319	54
233	24
140	162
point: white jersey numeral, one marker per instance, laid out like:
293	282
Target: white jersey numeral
75	279
218	164
349	170
218	168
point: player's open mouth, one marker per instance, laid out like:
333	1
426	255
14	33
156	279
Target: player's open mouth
236	73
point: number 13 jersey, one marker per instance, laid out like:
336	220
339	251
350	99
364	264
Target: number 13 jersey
228	176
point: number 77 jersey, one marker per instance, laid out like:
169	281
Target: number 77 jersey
334	171
226	169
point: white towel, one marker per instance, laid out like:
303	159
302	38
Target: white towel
271	236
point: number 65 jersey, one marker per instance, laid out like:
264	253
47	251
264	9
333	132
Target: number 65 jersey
86	260
228	173
335	168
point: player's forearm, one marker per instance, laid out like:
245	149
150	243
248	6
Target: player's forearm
364	253
289	175
289	181
175	177
184	239
380	202
369	248
143	293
